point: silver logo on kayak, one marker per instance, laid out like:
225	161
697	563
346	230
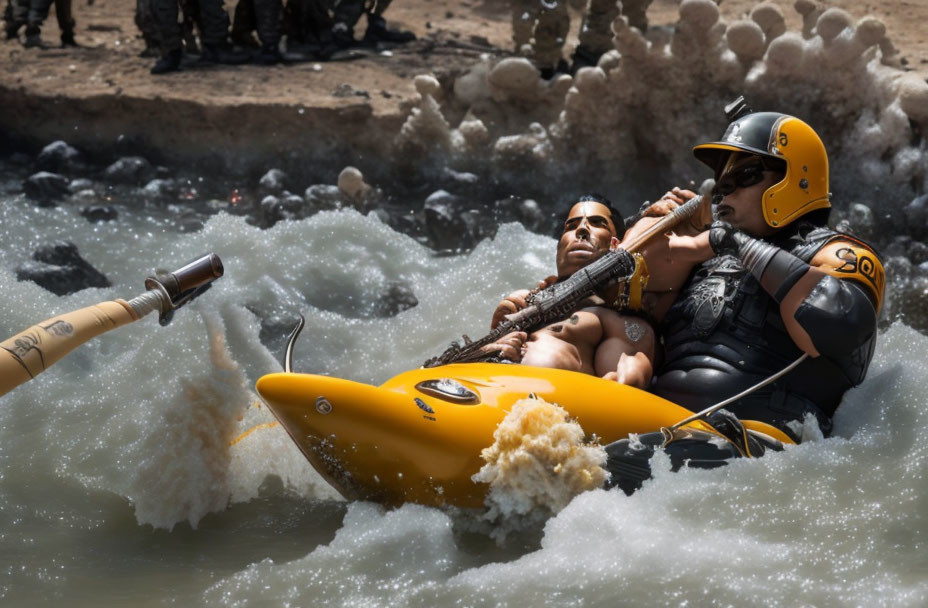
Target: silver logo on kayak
323	406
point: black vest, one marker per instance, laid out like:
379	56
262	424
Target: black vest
724	334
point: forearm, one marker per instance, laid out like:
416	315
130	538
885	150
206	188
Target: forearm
824	315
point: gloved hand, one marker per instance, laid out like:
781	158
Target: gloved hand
724	239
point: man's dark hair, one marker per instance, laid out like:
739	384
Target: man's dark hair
614	215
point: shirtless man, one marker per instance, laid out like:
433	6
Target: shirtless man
597	339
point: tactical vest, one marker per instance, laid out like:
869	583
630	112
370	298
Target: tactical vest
725	333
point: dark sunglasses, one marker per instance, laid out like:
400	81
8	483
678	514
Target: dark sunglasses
742	177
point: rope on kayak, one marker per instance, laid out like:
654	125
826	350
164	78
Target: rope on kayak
744	393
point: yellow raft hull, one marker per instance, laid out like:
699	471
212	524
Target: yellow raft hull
395	443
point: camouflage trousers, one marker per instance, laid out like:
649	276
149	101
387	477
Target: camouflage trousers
260	15
545	25
33	13
213	21
540	28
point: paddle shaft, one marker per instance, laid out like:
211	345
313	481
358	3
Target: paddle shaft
31	352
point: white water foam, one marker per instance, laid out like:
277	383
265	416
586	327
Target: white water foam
131	432
835	522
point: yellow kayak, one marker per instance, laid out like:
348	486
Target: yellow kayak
418	436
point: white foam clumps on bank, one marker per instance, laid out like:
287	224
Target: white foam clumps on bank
652	98
830	522
537	464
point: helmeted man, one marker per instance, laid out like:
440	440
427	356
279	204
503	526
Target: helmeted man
782	285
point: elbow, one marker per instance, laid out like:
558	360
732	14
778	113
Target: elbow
838	317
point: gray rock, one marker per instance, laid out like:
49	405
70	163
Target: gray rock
916	215
531	215
860	217
461	177
448	224
160	188
85	196
898	248
44	187
273	182
525	211
60	269
288	207
396	298
99	213
442	197
323	196
918	252
132	170
270	210
294	201
80	184
58	156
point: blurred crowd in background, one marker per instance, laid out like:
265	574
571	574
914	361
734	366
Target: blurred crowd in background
269	32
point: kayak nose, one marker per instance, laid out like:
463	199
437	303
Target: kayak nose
282	391
311	405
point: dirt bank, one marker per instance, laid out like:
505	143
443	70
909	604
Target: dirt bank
314	117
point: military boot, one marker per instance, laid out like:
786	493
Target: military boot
377	31
342	36
246	40
269	55
12	30
223	53
168	63
67	38
33	38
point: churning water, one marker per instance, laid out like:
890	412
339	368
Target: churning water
119	484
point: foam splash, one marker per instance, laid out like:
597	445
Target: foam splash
537	464
654	96
196	427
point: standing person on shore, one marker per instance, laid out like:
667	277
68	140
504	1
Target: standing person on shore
214	35
540	29
307	25
347	13
262	16
32	14
145	21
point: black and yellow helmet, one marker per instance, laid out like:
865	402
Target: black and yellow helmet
783	139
